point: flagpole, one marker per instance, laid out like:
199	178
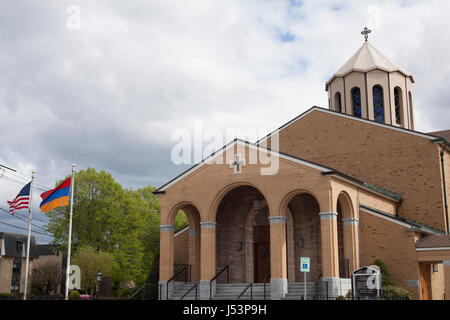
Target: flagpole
30	213
70	233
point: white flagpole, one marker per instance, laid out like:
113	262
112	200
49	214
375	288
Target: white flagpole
70	233
30	213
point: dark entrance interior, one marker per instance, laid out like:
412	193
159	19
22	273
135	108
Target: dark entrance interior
261	241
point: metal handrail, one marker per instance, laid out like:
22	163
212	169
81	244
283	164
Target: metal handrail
265	282
216	276
176	275
251	291
136	292
194	286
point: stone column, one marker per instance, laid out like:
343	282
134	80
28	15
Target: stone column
351	242
447	278
208	259
166	260
330	251
278	267
194	254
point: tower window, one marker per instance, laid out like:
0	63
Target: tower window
356	100
398	105
378	104
338	102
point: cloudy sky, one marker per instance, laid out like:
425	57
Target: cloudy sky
105	83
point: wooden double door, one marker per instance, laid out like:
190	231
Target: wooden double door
261	254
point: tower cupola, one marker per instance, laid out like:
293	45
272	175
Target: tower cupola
370	86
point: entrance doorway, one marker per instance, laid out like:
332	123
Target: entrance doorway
425	280
261	244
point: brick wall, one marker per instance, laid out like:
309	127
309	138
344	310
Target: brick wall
393	160
394	245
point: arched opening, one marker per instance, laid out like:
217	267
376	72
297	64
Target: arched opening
344	223
186	223
305	210
378	103
243	236
356	102
398	101
338	102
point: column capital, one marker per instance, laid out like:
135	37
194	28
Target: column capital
350	221
208	225
169	228
277	219
328	215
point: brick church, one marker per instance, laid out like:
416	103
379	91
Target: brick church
353	183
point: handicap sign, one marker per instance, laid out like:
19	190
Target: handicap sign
304	264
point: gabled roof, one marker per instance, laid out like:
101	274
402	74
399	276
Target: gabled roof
444	134
366	59
434	241
344	115
322	169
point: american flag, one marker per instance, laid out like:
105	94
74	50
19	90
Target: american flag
22	201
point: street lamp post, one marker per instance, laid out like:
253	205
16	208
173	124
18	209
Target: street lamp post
99	279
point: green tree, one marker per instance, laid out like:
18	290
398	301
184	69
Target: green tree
90	262
111	219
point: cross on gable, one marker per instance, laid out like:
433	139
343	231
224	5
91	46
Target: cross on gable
238	163
366	32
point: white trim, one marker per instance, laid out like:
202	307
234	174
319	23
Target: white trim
277	220
208	225
328	215
181	231
384	217
432	249
163	228
351	118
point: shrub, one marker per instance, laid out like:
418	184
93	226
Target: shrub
340	298
74	295
396	293
123	293
349	296
386	276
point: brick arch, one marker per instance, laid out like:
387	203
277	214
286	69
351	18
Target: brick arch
191	210
291	195
346	205
306	229
236	220
224	190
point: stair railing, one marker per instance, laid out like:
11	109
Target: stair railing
245	290
176	275
265	282
194	286
216	276
137	291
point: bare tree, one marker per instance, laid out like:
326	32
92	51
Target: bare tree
46	278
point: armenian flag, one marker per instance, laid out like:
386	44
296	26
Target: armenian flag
57	197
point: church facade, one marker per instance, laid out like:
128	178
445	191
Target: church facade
353	183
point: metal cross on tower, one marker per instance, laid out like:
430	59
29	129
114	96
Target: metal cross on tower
366	32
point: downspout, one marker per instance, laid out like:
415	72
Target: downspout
445	189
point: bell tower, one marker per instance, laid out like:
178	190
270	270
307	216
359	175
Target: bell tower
370	86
